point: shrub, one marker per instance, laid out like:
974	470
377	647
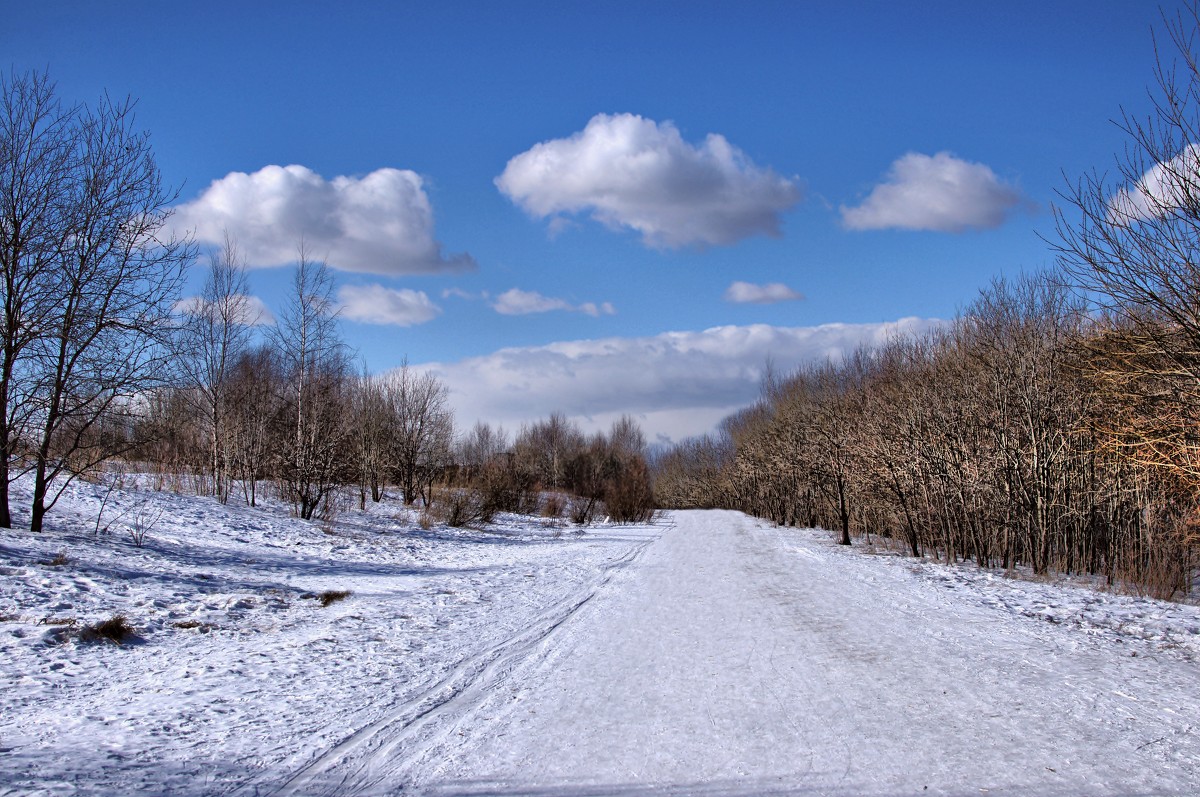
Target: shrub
190	624
331	596
629	498
463	507
504	488
554	506
114	629
583	511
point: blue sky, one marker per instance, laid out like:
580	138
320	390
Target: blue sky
796	147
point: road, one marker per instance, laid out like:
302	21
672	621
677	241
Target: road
724	657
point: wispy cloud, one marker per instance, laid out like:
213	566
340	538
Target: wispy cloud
381	223
375	304
770	293
519	302
628	171
940	193
678	383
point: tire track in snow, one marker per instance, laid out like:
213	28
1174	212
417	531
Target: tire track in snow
363	760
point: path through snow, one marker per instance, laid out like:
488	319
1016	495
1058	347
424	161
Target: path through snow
706	654
738	659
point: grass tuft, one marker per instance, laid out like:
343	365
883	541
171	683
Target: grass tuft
331	596
114	629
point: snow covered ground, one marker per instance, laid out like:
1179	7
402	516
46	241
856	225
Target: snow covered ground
707	653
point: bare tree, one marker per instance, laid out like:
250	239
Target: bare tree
106	338
1132	245
372	429
38	158
316	369
544	448
215	334
256	390
423	431
481	447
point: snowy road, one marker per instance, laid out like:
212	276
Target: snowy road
705	654
728	658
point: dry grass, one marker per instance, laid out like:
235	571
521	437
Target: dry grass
331	596
114	629
190	624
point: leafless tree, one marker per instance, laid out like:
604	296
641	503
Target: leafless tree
481	447
106	338
544	447
38	161
1131	244
372	430
315	367
216	332
423	429
257	415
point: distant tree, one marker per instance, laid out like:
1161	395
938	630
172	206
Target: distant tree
423	429
543	448
216	332
315	367
371	431
257	414
481	447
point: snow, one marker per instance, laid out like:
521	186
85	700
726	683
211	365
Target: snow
706	653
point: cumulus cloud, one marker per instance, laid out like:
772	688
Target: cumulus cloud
676	383
771	293
939	192
519	302
632	172
247	310
1162	190
375	304
381	223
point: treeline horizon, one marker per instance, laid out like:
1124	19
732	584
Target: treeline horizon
1055	424
1003	437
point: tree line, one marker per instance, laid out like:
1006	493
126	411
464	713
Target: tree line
289	408
101	359
1055	424
993	439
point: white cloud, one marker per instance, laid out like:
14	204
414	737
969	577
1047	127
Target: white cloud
1163	189
940	193
518	302
771	293
375	304
628	171
381	223
252	311
677	383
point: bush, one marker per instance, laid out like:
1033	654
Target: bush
503	488
458	508
583	511
629	498
114	629
331	596
554	506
